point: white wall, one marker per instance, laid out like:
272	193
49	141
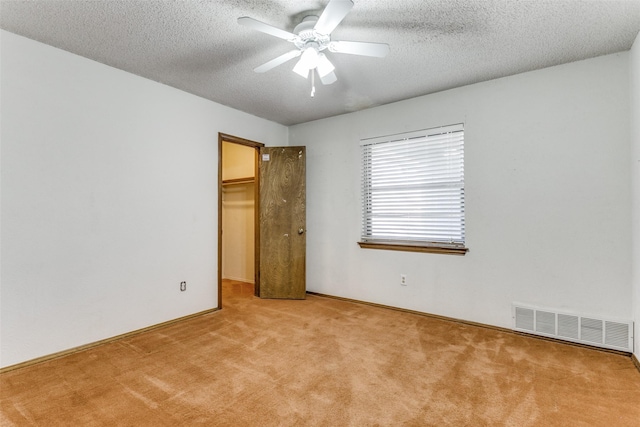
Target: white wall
108	186
547	198
109	199
635	171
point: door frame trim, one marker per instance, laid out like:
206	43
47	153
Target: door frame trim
223	137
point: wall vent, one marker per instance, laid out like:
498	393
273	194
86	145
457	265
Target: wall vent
606	333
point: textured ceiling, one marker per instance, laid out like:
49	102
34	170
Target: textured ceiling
198	46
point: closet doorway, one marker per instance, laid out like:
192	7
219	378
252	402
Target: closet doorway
262	193
237	211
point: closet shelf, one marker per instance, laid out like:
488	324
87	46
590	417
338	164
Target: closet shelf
236	181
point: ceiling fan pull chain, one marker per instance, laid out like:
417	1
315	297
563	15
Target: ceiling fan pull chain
313	83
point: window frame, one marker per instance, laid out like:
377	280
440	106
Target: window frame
425	246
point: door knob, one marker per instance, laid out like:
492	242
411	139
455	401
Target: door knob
300	230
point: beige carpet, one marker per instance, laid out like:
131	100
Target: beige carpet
323	362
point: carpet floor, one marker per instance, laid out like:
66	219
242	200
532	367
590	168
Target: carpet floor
323	362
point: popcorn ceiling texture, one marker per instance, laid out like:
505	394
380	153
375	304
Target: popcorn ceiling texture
198	47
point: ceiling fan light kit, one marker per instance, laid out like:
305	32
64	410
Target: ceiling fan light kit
308	61
311	37
324	66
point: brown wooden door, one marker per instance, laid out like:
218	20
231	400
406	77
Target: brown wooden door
282	207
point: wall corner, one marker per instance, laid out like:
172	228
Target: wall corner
634	93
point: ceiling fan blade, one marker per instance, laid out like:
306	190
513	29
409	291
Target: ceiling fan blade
332	15
379	50
267	29
277	61
329	78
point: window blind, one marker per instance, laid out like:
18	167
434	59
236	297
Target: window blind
413	187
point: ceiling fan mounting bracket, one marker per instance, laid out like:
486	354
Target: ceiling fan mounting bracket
307	24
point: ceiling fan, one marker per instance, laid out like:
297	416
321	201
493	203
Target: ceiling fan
311	37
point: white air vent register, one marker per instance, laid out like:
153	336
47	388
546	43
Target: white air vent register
612	334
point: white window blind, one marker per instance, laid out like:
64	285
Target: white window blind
413	188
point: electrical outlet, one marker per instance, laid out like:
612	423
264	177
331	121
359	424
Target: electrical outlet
183	286
403	279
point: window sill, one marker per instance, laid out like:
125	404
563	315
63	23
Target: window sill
434	249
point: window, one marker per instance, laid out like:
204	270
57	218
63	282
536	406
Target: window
413	191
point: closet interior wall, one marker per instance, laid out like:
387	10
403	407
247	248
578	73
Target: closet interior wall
238	210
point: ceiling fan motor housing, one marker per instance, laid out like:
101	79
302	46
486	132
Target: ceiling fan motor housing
308	37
